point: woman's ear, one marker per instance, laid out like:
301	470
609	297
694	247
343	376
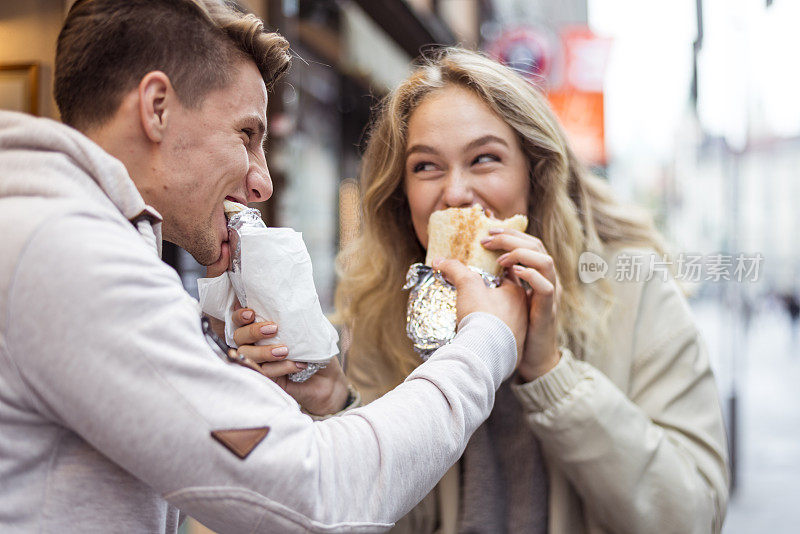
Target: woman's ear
156	95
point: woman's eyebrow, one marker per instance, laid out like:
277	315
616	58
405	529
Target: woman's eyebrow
425	149
485	140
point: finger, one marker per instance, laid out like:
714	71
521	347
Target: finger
222	264
541	286
456	272
278	369
530	258
509	241
512	278
250	334
511	231
242	317
264	353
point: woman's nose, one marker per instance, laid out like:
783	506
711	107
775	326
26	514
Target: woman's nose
259	184
458	191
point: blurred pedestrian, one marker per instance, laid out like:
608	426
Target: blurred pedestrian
792	306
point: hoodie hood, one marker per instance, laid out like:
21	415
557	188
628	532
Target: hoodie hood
44	158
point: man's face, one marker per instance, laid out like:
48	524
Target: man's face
212	153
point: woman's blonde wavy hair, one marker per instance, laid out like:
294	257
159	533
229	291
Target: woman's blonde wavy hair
569	209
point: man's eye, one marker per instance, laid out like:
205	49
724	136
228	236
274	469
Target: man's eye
248	132
485	158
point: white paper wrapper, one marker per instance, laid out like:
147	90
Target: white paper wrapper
279	287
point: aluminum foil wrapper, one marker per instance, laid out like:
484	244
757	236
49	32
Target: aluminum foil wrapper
308	372
248	217
251	218
431	311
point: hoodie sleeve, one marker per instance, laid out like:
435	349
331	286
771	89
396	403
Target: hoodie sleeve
109	345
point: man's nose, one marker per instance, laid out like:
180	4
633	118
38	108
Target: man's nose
458	191
259	184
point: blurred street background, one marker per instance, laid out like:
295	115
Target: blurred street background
688	107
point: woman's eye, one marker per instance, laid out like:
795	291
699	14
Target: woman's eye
485	158
248	132
424	166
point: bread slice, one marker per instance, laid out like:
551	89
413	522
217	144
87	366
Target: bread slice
457	233
232	208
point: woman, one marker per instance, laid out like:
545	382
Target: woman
612	422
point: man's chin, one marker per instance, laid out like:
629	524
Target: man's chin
204	246
221	263
206	254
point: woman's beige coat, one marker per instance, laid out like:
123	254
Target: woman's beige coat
632	436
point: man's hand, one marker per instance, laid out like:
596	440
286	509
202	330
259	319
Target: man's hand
322	394
507	302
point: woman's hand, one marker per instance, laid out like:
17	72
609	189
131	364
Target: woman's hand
527	259
322	394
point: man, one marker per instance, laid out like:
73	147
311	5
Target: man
114	410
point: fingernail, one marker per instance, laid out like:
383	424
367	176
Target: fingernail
268	329
247	315
486	240
301	365
518	268
280	352
502	258
495	231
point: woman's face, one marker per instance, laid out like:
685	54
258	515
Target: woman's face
460	153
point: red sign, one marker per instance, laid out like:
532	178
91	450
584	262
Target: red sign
581	115
579	101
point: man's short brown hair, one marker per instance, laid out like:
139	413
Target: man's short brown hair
107	46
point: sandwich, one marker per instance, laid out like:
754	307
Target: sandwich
457	233
232	208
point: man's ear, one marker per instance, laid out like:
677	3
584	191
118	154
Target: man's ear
156	96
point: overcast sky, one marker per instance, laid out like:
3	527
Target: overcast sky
749	77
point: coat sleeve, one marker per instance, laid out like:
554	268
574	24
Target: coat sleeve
653	460
108	345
